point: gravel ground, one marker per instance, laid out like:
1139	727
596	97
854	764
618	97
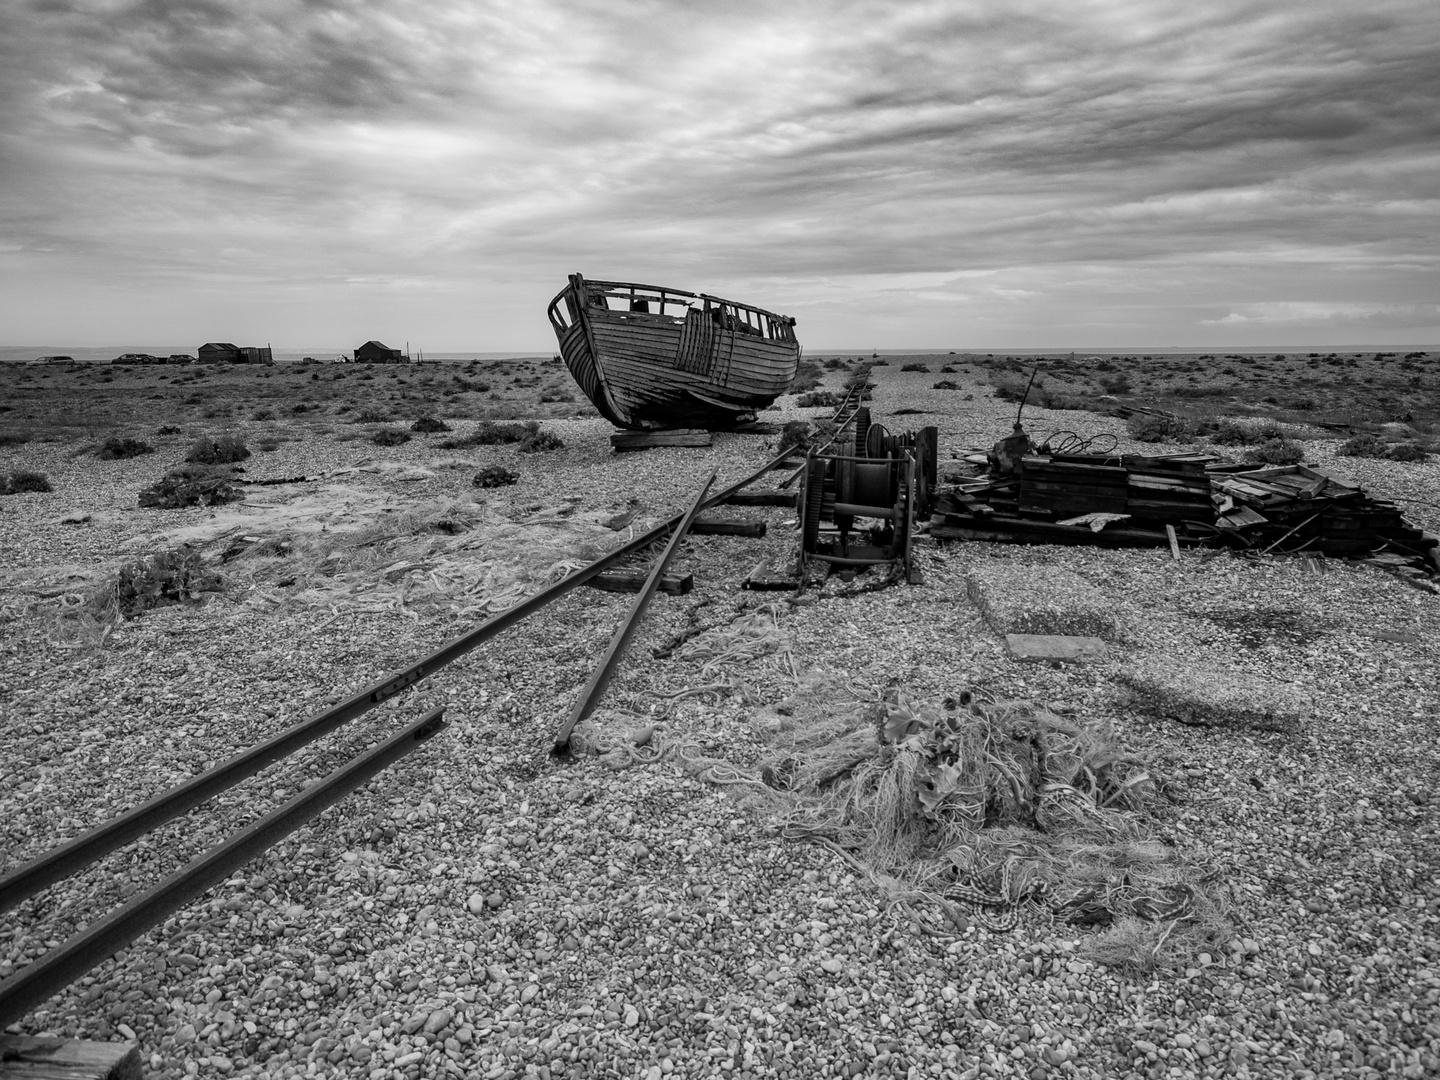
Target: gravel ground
480	910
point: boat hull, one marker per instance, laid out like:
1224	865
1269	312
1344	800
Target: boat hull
693	361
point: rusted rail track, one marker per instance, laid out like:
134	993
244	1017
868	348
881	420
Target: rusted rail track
45	976
844	416
63	964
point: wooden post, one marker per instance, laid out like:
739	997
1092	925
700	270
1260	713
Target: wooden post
1174	542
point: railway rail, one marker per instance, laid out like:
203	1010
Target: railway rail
62	965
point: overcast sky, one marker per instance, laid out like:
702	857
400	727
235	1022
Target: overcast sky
1026	173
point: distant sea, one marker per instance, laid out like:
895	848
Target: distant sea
20	354
13	354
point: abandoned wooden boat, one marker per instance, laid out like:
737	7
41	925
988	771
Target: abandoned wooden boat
653	358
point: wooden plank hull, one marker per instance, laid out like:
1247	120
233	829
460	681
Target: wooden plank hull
698	367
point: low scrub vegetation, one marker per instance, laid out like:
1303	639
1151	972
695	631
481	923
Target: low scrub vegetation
159	580
1148	428
1278	452
494	476
217	450
193	485
794	435
1372	446
819	399
538	441
1245	433
428	425
14	438
807	377
529	436
116	448
390	437
915	367
23	480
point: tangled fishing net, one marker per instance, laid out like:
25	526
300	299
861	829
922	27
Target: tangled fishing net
974	807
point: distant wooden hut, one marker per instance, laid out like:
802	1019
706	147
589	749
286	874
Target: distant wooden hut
219	352
376	352
223	352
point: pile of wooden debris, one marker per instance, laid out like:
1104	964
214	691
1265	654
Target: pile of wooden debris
1133	500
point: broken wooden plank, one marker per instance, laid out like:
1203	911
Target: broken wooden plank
766	577
634	581
716	527
24	1057
648	440
1028	531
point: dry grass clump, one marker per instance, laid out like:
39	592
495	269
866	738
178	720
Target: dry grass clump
427	425
14	438
1203	696
819	399
1003	797
217	450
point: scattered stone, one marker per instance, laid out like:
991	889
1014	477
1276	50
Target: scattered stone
1061	648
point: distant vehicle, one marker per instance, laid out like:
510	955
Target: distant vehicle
136	358
54	359
180	358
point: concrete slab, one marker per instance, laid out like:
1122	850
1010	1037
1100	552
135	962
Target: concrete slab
1064	648
1033	598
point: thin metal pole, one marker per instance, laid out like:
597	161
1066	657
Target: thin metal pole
65	963
60	862
590	696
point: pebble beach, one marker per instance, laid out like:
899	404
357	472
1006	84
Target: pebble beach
481	909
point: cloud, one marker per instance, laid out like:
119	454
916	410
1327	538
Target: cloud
1080	154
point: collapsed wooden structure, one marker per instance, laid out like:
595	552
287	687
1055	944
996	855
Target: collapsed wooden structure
1136	500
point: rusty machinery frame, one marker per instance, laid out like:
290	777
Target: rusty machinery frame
868	472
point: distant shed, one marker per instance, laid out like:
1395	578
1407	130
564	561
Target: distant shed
219	352
376	352
223	352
